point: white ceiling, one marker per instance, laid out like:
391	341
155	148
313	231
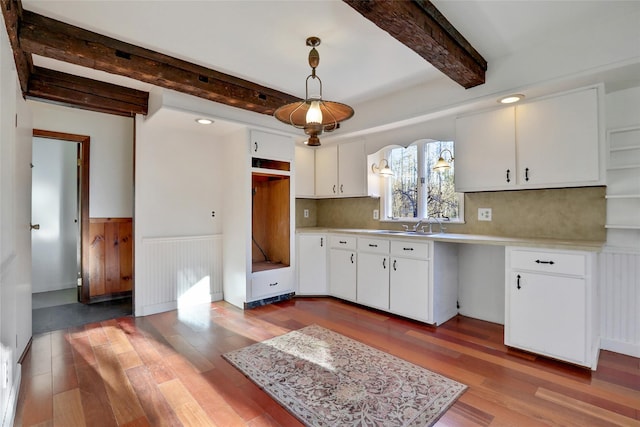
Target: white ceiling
264	40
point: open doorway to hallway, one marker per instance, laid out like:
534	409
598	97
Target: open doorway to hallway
61	248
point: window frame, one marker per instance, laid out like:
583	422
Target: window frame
385	189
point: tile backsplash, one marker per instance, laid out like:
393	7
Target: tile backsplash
562	213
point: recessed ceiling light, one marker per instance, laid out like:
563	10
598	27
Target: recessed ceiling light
204	121
510	99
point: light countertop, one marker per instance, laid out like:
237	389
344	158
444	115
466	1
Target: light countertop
583	245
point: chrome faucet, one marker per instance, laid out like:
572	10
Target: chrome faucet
418	224
442	228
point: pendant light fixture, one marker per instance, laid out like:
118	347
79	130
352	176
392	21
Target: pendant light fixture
313	114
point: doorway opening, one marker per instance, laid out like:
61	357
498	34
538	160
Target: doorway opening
60	201
61	235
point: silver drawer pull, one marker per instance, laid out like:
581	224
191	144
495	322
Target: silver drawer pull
407	249
371	245
342	242
544	262
273	284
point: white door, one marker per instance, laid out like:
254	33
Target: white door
409	288
342	274
54	199
547	314
486	151
373	280
312	264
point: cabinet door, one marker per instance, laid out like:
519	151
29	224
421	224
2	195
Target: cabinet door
342	274
485	156
547	314
352	169
409	288
373	280
327	171
558	140
312	264
305	172
270	146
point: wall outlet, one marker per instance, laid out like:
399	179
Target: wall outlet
305	213
484	214
376	214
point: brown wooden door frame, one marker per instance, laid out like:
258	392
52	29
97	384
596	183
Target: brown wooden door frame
83	191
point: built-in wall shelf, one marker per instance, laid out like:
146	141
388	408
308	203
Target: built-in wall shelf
624	167
623	179
622	196
622	227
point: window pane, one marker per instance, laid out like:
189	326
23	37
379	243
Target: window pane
404	186
442	199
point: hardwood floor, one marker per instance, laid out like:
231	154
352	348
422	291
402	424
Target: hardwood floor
166	370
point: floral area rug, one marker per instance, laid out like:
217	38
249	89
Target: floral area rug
326	379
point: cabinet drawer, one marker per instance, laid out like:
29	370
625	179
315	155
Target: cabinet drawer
341	241
268	283
549	262
404	248
376	246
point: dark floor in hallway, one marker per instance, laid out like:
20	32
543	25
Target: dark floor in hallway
57	310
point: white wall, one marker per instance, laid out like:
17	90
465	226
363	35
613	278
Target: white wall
180	181
54	248
15	237
111	156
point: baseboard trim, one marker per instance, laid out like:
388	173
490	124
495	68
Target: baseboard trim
630	349
9	416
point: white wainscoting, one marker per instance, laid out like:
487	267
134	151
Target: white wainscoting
178	272
620	301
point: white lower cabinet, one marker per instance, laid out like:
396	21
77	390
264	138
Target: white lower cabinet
409	288
312	264
342	267
550	304
373	273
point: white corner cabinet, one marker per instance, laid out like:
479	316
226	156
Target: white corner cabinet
341	170
549	142
312	264
550	305
259	224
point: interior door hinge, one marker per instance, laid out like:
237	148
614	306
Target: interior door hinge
79	162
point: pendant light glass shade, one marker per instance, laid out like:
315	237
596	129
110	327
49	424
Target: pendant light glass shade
313	114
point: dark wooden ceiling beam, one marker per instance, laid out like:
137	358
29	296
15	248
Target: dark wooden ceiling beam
88	94
421	27
12	13
54	39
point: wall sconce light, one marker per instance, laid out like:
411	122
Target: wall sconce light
442	164
382	169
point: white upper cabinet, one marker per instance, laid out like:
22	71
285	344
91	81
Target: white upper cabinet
341	170
486	151
305	172
327	171
270	146
546	143
558	140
